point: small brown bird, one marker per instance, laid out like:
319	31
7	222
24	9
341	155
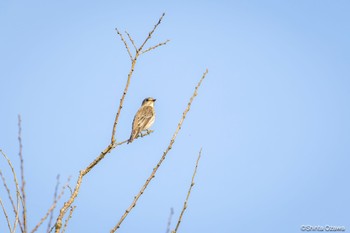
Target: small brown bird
144	118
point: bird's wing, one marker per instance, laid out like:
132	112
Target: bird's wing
144	115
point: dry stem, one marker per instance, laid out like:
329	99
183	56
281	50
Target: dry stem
126	44
133	63
8	192
72	208
151	32
136	198
24	211
52	207
132	41
54	199
6	216
154	47
188	193
18	192
169	220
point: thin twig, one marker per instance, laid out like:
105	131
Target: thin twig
169	220
154	47
54	199
136	198
188	193
151	32
6	216
10	198
8	191
72	208
132	41
24	211
126	44
18	192
133	63
140	136
52	207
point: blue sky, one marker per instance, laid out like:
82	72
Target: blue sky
272	115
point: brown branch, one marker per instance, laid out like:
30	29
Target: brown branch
24	211
143	188
133	63
126	44
10	198
6	216
18	192
72	208
8	191
154	47
188	193
52	207
132	41
67	204
151	32
169	220
54	199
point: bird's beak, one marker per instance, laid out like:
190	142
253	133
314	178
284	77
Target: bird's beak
154	100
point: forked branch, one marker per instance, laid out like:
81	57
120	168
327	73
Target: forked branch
113	142
133	63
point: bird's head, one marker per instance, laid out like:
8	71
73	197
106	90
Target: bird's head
148	101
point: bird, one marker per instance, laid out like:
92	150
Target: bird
144	118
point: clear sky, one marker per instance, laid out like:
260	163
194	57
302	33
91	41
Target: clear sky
272	116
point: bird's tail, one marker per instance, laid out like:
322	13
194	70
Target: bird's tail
132	136
130	139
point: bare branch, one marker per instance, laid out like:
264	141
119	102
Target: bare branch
151	32
169	220
54	199
72	208
126	44
24	211
8	191
132	41
6	216
188	193
52	207
10	198
154	47
69	202
133	63
18	192
79	181
141	136
143	188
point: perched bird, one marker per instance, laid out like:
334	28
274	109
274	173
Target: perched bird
144	118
